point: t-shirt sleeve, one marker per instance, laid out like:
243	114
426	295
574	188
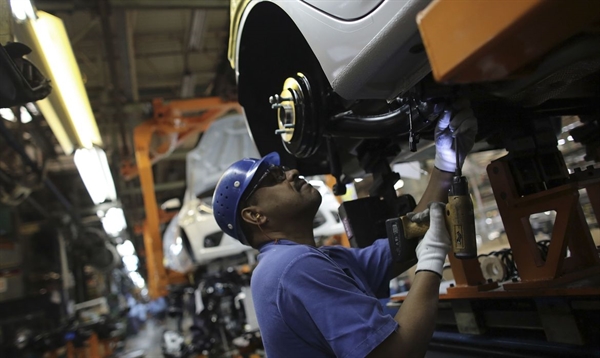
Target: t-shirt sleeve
314	293
376	263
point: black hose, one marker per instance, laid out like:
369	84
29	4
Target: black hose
350	124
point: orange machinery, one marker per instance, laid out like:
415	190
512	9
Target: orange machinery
479	41
182	118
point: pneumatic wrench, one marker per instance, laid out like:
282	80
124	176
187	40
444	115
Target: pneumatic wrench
403	234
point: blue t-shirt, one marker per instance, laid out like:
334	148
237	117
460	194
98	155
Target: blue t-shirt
322	302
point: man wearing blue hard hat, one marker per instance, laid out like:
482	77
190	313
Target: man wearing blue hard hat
323	302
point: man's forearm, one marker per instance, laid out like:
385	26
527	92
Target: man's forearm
418	312
416	318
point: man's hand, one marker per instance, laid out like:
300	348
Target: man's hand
456	122
435	245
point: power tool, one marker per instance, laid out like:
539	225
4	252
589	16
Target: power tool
403	234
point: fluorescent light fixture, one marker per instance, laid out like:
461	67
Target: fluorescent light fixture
66	109
131	263
188	85
57	128
137	279
22	9
114	221
25	116
66	77
126	248
197	30
358	180
32	108
7	114
95	173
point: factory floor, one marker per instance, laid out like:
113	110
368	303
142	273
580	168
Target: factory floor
148	340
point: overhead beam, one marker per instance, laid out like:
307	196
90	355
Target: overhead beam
125	20
161	81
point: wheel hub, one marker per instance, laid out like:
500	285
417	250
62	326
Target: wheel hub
297	120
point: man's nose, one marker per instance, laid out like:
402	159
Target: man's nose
292	174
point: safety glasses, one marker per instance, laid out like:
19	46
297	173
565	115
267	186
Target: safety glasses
274	175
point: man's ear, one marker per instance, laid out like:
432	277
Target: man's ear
252	215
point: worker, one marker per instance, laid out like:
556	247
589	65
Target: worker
323	302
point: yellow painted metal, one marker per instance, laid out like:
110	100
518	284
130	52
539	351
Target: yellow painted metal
237	8
487	40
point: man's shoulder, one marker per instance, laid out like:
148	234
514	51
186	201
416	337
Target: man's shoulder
288	254
288	259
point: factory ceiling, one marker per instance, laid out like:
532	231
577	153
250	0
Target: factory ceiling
129	53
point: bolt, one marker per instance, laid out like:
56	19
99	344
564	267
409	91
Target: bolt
230	226
451	285
489	280
236	184
282	131
289	125
278	99
276	106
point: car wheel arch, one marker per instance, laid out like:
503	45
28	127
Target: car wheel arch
272	48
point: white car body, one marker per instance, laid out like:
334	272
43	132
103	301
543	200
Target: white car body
349	39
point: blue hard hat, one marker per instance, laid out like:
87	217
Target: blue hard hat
230	191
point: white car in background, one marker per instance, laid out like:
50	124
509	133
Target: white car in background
193	237
336	86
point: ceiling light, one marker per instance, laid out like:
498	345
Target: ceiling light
114	221
7	114
126	248
66	76
67	108
25	116
131	263
137	279
197	30
188	86
95	173
32	108
55	124
22	9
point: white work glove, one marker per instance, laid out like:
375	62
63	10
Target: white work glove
456	122
435	245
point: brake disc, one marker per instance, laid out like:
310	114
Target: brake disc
298	116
